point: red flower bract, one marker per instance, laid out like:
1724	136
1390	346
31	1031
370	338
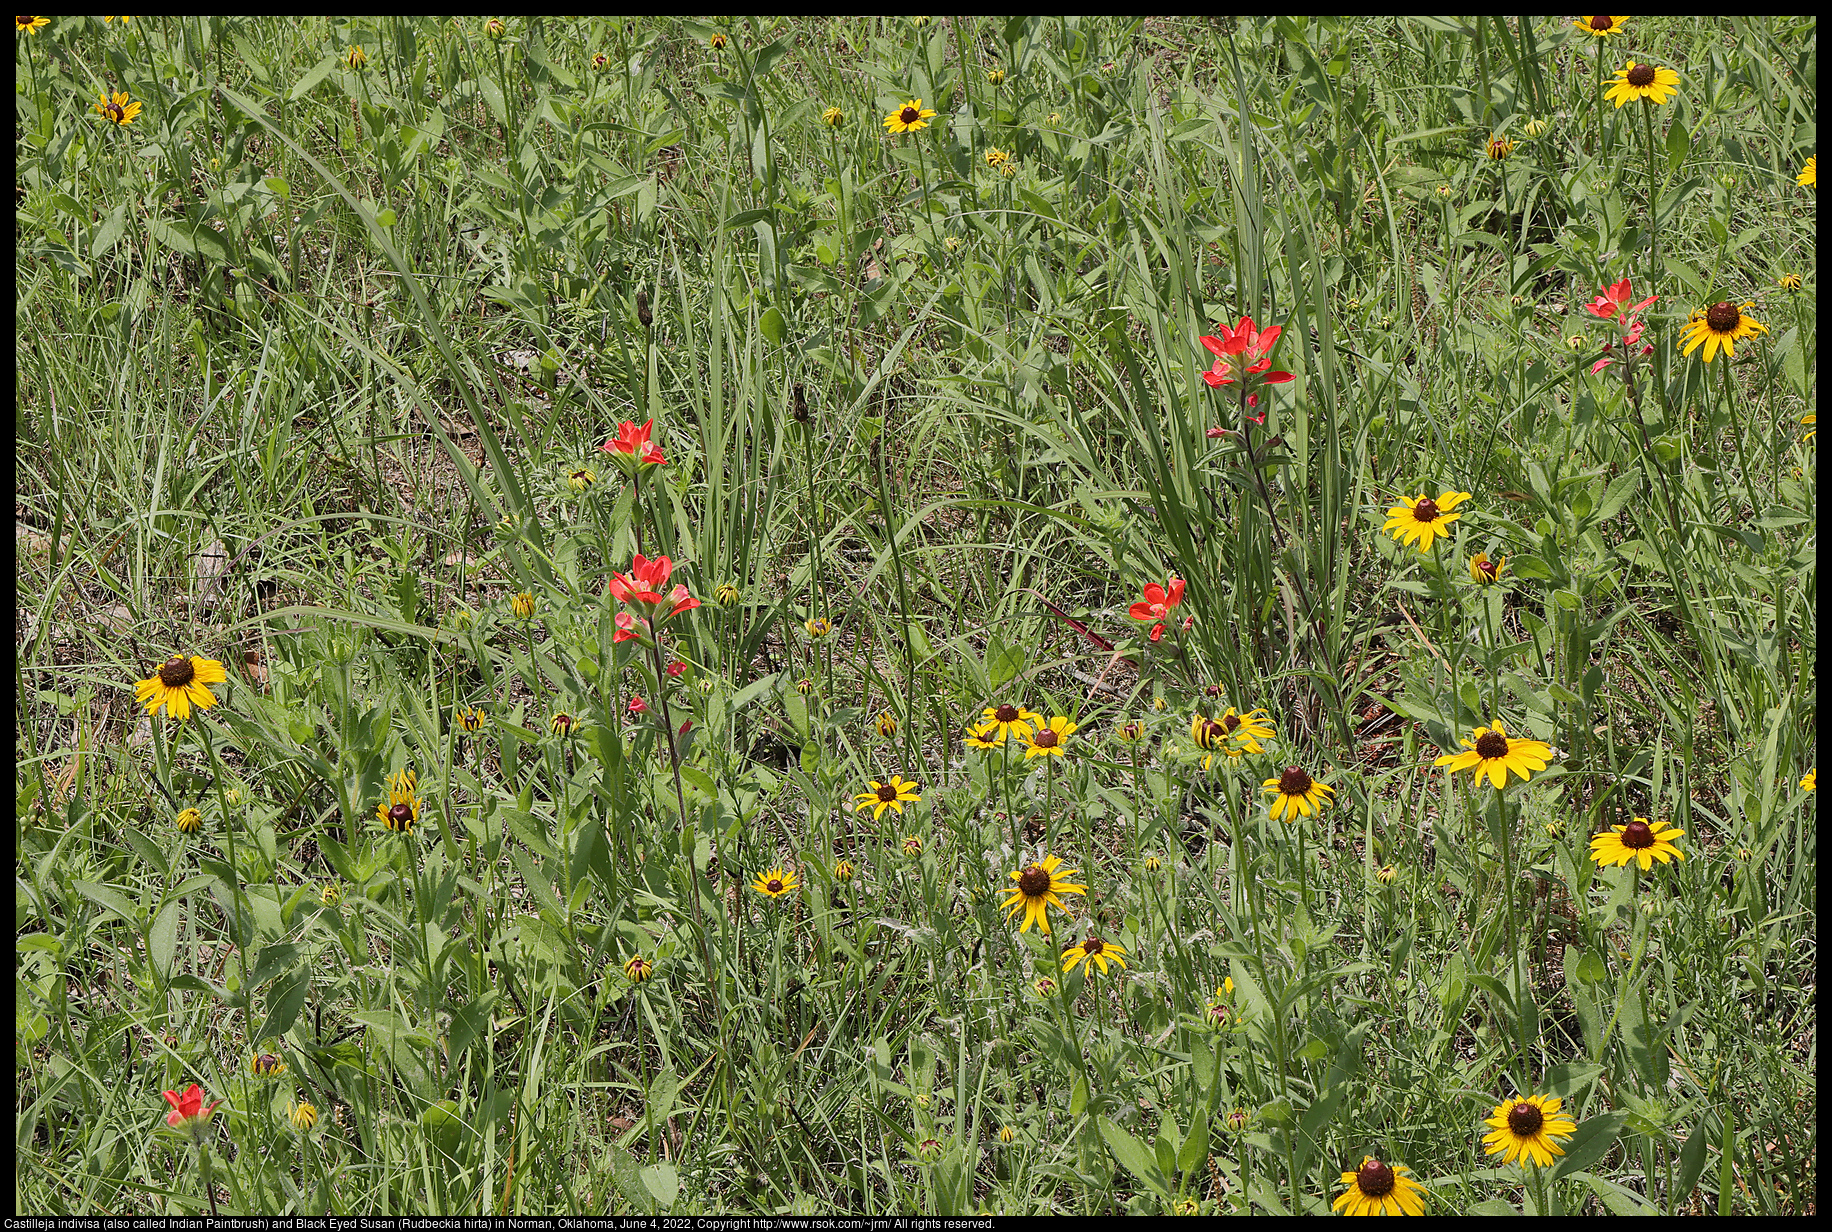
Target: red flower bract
1244	347
1614	299
187	1108
633	447
641	587
1157	604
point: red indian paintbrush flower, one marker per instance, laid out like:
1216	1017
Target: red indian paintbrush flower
632	446
1244	347
642	586
188	1111
1614	299
1157	605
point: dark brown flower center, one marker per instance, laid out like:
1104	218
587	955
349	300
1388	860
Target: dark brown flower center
1006	714
1641	76
1723	317
1638	834
176	672
1229	722
1426	510
775	886
1294	782
1601	24
1488	568
1046	739
115	113
1525	1119
1132	731
909	115
1491	745
562	721
1034	882
887	793
266	1063
401	815
1375	1179
1093	945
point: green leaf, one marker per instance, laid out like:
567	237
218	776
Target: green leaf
1589	1144
1078	1095
663	1181
284	1001
316	74
110	899
774	327
162	938
1132	1155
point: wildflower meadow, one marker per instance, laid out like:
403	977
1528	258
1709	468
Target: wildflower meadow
915	615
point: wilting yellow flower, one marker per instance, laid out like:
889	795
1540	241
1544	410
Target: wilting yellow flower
1499	147
818	627
887	725
302	1116
995	157
638	969
995	76
581	479
1789	282
354	57
1486	571
188	821
833	117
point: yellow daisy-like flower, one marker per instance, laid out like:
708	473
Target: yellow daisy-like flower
302	1116
819	627
355	57
638	969
843	870
1096	953
562	724
1297	794
1811	420
118	109
892	795
581	479
30	25
1600	27
122	20
995	76
1009	720
887	725
401	811
1789	282
1523	1129
1811	781
1007	1134
1386	874
1809	175
267	1065
330	894
1486	572
995	157
1245	731
1641	840
909	118
833	117
1049	738
1719	326
1037	888
718	42
1499	147
1378	1188
179	684
523	606
1422	519
1491	751
188	821
470	719
775	883
912	844
984	736
1643	81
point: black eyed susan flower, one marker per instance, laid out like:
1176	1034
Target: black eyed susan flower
1600	27
188	821
995	157
1499	147
1208	733
1535	128
819	627
302	1116
1523	1129
928	1150
1009	721
912	844
401	811
581	479
523	606
843	871
1238	1120
909	118
600	61
1296	794
1046	987
1811	781
1719	326
804	686
30	25
494	28
922	22
1153	863
1378	1188
1129	733
775	883
833	117
355	56
1640	840
1491	751
330	894
1808	177
470	719
1789	282
892	795
887	725
726	595
1037	886
179	684
638	969
1007	1134
718	42
267	1065
1643	81
1486	572
1049	739
1095	952
1386	874
118	109
562	724
995	77
1811	421
983	736
1422	519
1233	733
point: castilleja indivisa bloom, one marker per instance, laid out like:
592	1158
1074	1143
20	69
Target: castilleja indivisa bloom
631	447
1157	603
1244	348
642	588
